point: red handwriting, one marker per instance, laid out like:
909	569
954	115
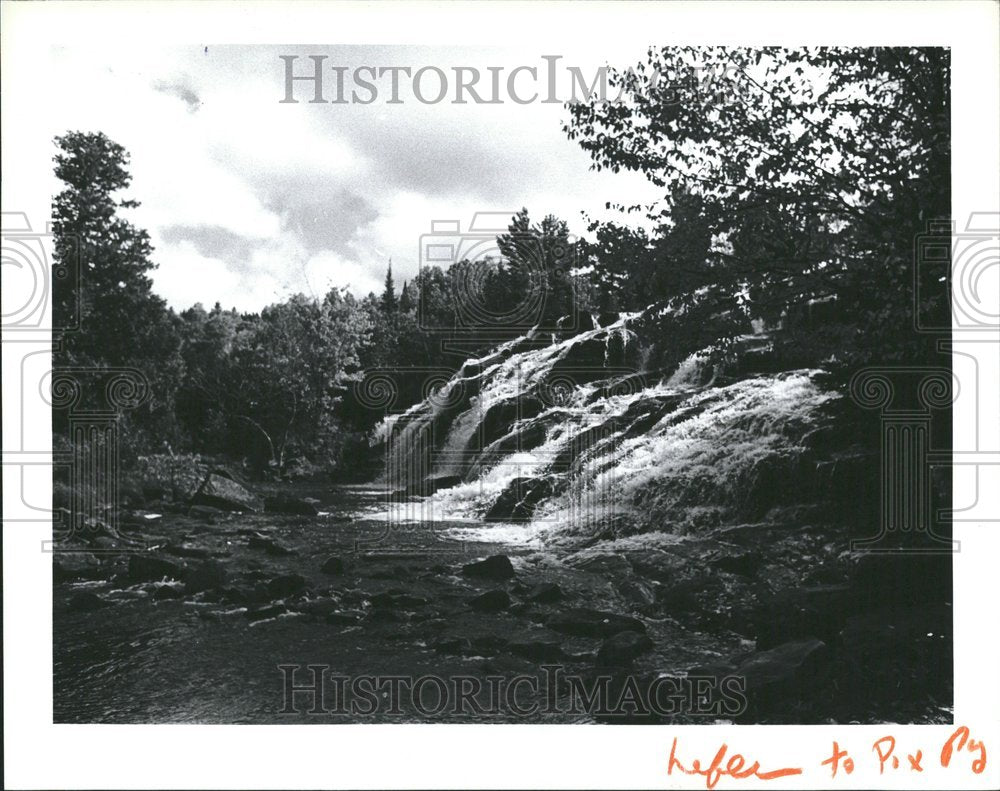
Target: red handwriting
960	739
736	767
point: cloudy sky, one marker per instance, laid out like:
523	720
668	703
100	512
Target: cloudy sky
248	199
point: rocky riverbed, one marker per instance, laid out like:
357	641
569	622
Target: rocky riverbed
188	616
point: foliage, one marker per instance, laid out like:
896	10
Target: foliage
789	176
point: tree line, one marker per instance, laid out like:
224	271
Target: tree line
795	179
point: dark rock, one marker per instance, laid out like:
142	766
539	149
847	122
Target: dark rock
204	511
104	544
585	622
495	567
147	568
283	503
537	650
781	666
207	576
904	578
168	591
637	592
67	566
285	585
227	494
427	486
87	602
333	565
744	563
817	611
343	618
621	649
269	545
388	600
517	502
187	551
453	645
544	593
491	601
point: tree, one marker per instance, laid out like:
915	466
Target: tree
540	259
389	302
812	171
121	322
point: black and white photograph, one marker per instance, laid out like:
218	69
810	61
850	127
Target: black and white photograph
533	382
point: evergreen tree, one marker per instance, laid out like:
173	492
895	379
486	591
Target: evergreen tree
389	302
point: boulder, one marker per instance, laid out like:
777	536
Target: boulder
333	565
544	593
537	650
87	602
207	576
187	551
621	649
343	617
149	568
394	601
285	585
495	567
585	622
68	566
283	503
225	493
204	511
782	666
491	601
517	502
269	545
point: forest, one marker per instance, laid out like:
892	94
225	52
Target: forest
794	187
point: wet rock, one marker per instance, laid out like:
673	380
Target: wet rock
387	600
537	650
225	493
206	577
491	601
816	611
87	602
585	622
187	551
147	568
104	544
269	545
495	567
168	591
782	666
453	645
637	592
285	585
518	501
745	563
283	503
544	593
343	617
263	613
204	511
333	565
68	566
621	649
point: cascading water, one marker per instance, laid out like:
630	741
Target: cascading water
576	440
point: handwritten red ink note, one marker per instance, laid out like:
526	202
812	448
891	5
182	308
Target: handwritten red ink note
736	767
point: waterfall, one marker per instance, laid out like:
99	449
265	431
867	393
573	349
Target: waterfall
576	438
